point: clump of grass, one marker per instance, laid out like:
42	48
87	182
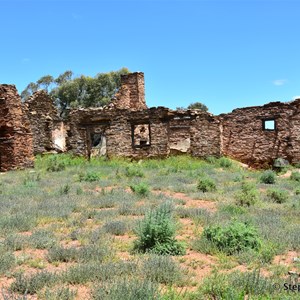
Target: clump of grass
248	195
7	261
61	293
65	189
277	196
156	233
15	242
115	227
162	269
31	284
126	289
42	239
268	177
206	184
225	162
295	176
141	189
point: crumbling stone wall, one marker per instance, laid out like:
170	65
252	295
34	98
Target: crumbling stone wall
48	130
246	138
15	134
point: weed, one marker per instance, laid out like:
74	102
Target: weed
62	293
141	189
277	196
156	233
65	189
268	177
206	184
247	196
89	176
225	162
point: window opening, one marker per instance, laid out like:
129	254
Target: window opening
141	135
269	124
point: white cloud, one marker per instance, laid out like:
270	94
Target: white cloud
296	97
279	82
25	60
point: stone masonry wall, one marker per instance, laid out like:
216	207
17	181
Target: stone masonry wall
45	123
244	137
15	134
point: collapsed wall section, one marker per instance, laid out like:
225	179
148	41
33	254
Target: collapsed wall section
16	148
48	130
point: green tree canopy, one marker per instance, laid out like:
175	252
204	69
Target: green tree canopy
83	91
198	105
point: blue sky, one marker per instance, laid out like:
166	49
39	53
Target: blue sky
226	54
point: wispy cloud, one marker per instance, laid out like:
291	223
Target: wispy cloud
296	97
25	60
279	82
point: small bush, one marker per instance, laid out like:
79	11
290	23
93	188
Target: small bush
132	171
89	176
115	227
277	196
42	239
247	195
225	162
268	177
295	176
65	189
54	164
156	233
142	189
206	184
234	238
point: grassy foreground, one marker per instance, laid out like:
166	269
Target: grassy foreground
179	228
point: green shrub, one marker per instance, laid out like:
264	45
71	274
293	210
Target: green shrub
268	177
225	162
65	189
247	195
42	239
142	189
156	233
89	176
55	164
277	196
206	184
295	176
132	171
233	238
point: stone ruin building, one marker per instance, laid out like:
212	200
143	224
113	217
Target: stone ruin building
128	128
16	148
